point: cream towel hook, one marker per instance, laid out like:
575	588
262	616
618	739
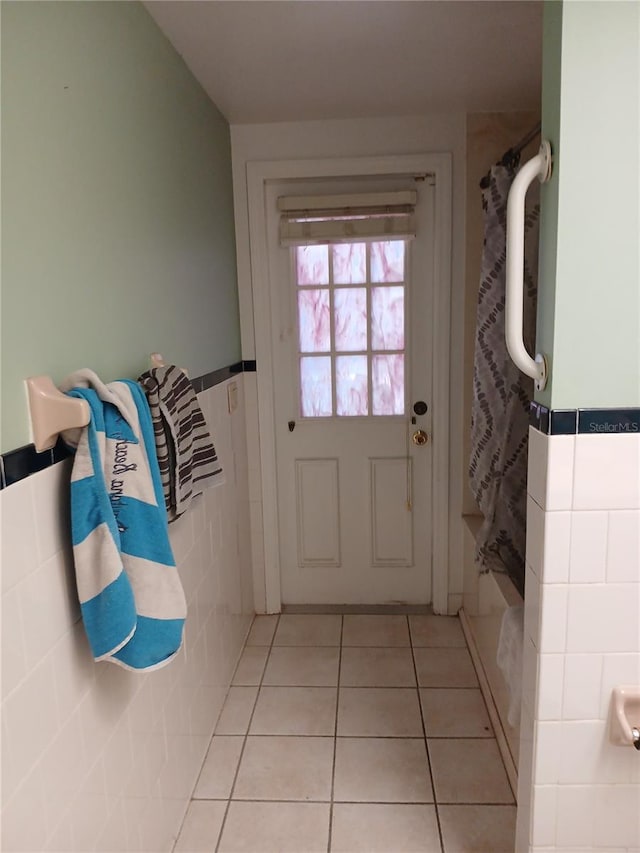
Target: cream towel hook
157	360
52	412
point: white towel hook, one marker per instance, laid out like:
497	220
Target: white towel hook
52	412
538	167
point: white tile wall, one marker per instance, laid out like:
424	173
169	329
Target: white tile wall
581	687
550	474
607	472
588	547
603	618
551	677
579	792
543	814
554	599
623	546
95	757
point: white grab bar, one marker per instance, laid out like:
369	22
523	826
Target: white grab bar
538	167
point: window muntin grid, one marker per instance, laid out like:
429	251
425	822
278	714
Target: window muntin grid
351	317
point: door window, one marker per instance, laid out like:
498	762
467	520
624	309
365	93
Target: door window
351	313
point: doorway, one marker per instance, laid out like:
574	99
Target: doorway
354	512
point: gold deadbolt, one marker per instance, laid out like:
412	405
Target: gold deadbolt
420	437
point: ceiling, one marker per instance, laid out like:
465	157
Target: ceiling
288	60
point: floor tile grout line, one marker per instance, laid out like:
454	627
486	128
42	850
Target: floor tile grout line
258	736
246	735
369	686
395	646
333	686
355	802
426	742
493	803
335	737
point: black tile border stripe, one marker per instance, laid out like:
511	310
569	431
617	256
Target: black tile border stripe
623	421
22	462
539	417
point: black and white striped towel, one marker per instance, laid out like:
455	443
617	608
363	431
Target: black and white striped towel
186	455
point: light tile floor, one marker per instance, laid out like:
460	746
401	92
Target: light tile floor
352	733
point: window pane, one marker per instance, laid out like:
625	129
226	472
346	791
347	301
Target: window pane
352	395
388	384
350	307
315	387
387	318
349	263
313	320
387	261
312	264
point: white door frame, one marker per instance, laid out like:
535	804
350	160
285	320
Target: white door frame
258	174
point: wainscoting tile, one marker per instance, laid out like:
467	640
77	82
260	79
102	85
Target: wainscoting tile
553	617
547	749
560	464
17	520
623	546
544	815
537	466
581	689
536	538
607	472
617	819
587	563
551	680
615	629
557	547
587	757
617	670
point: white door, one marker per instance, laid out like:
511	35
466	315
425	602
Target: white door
352	356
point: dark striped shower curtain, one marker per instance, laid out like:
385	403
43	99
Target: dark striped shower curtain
501	393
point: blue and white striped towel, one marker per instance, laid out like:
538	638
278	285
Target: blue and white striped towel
131	598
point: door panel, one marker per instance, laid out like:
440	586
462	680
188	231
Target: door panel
391	520
318	512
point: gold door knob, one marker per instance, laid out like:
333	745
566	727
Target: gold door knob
420	437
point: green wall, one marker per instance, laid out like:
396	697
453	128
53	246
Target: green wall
589	315
551	75
117	210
